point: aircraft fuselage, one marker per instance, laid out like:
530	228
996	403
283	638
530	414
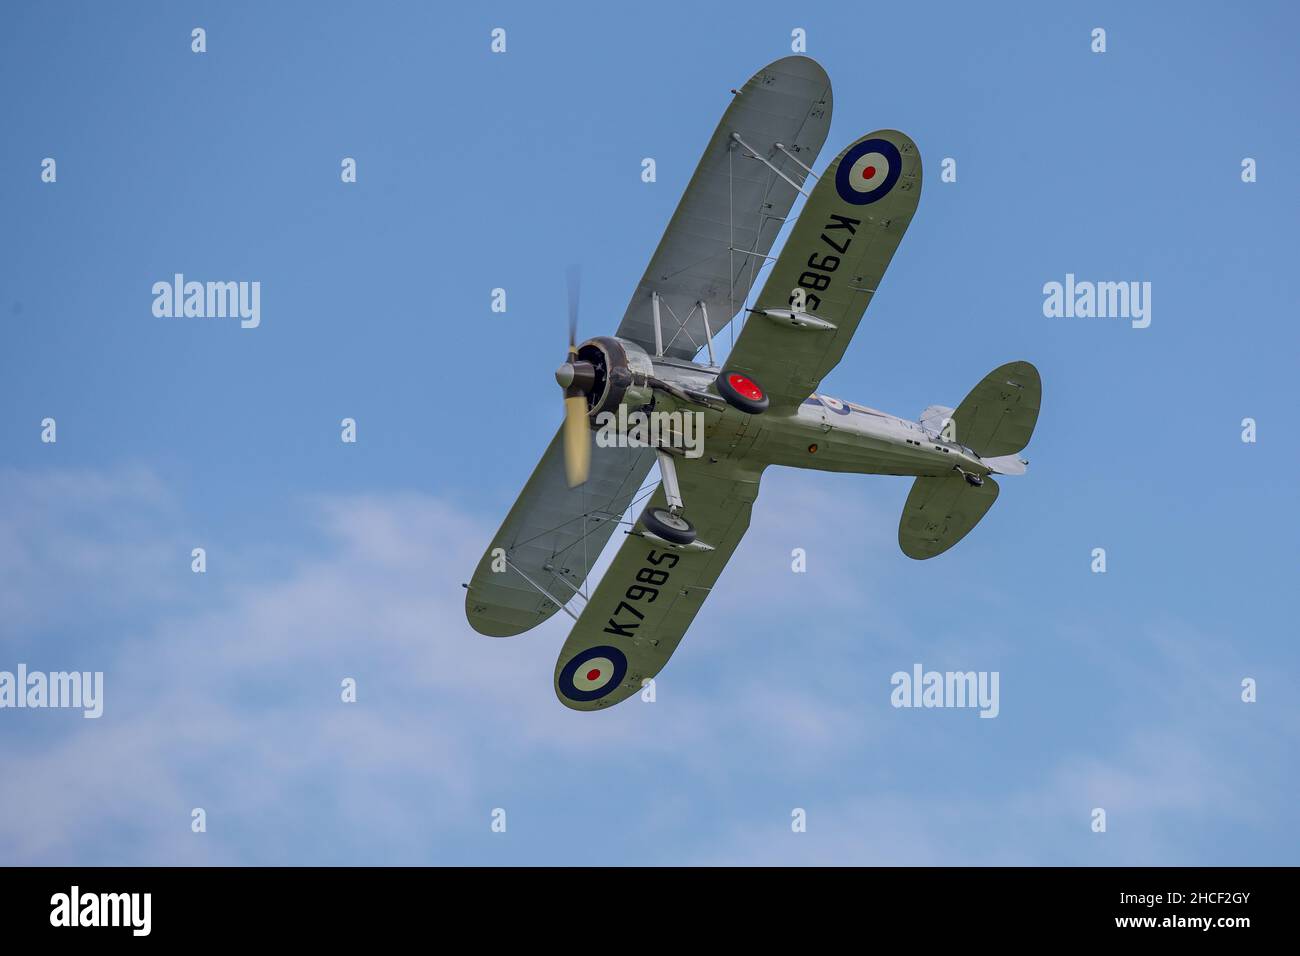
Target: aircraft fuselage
823	433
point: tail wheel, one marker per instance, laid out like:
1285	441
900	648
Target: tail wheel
742	392
669	526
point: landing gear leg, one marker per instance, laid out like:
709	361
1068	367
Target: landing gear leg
972	479
672	490
669	523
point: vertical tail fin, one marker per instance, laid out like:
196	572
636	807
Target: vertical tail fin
934	417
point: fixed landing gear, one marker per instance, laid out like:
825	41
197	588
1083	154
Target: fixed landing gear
665	524
742	392
668	523
972	479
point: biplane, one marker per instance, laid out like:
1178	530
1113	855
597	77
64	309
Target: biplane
760	405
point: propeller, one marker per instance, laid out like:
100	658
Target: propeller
576	378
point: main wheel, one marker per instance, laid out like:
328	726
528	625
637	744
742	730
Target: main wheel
974	480
668	526
742	392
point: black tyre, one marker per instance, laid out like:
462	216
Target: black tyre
742	392
974	480
668	526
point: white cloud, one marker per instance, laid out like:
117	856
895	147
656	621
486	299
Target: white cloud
227	697
235	706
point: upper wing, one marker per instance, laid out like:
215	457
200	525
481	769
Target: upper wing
552	535
733	200
837	253
651	593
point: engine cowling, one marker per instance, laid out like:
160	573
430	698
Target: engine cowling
621	375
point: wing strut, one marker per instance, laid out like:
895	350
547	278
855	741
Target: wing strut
763	159
708	332
656	300
798	161
725	208
659	325
562	605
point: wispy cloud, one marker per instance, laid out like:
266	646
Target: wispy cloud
227	698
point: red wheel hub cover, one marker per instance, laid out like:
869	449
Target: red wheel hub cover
745	387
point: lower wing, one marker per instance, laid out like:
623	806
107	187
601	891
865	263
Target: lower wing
551	537
651	593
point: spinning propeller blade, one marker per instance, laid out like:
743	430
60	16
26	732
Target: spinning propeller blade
577	440
577	432
574	275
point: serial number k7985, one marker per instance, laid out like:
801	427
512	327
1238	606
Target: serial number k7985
644	590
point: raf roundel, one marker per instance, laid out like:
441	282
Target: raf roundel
868	171
593	673
835	405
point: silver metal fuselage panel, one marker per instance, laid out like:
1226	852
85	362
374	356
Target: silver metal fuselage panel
822	434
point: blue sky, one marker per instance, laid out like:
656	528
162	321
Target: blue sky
477	171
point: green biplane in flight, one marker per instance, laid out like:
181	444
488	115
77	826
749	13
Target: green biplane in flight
759	407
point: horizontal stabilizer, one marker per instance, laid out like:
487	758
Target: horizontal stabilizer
939	513
998	417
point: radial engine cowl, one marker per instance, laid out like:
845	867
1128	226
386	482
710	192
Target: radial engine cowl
621	370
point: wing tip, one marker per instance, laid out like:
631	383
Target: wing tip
478	616
799	64
588	706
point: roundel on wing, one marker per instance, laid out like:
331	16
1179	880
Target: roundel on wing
868	171
593	673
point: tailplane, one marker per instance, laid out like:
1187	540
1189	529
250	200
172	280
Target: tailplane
998	417
940	512
996	420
